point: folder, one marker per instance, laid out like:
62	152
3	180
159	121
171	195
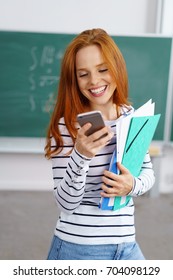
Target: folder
134	135
140	134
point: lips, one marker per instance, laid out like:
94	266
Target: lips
99	91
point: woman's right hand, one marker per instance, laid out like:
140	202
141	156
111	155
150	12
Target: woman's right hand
89	146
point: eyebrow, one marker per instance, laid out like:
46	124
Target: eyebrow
98	65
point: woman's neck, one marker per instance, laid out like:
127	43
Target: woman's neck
109	112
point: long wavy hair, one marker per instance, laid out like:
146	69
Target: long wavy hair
70	101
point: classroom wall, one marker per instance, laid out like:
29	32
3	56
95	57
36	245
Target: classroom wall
69	16
22	161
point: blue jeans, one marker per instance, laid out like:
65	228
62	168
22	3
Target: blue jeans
63	250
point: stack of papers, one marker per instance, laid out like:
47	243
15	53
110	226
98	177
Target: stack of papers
134	135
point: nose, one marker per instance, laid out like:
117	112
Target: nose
94	78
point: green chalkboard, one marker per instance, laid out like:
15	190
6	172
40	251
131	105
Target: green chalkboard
30	64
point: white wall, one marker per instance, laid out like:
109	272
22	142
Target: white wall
27	171
73	16
167	17
22	162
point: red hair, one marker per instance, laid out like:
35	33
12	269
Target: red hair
70	101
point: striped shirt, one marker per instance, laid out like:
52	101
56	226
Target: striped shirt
77	187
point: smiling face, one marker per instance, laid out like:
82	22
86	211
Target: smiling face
94	78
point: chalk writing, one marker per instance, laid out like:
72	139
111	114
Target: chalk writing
34	58
48	55
44	62
49	104
32	82
32	103
48	80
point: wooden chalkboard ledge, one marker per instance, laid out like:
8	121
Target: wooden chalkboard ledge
22	145
156	152
156	148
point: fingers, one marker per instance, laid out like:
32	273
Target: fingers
98	139
110	178
111	186
117	185
82	131
102	133
101	137
117	190
109	191
122	168
90	145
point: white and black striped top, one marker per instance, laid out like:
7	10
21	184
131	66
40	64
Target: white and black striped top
77	187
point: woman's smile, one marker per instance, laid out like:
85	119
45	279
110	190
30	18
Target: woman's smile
98	91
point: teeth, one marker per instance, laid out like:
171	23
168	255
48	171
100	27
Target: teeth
98	90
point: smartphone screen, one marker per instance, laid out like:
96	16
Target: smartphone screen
95	118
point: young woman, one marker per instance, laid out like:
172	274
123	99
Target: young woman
93	77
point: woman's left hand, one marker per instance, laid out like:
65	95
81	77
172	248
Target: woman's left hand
119	185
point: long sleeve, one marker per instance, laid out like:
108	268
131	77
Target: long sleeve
145	180
69	174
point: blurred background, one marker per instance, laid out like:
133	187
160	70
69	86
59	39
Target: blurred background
33	36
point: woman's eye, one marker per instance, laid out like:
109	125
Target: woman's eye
103	70
83	75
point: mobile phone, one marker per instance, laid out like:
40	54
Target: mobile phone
93	117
